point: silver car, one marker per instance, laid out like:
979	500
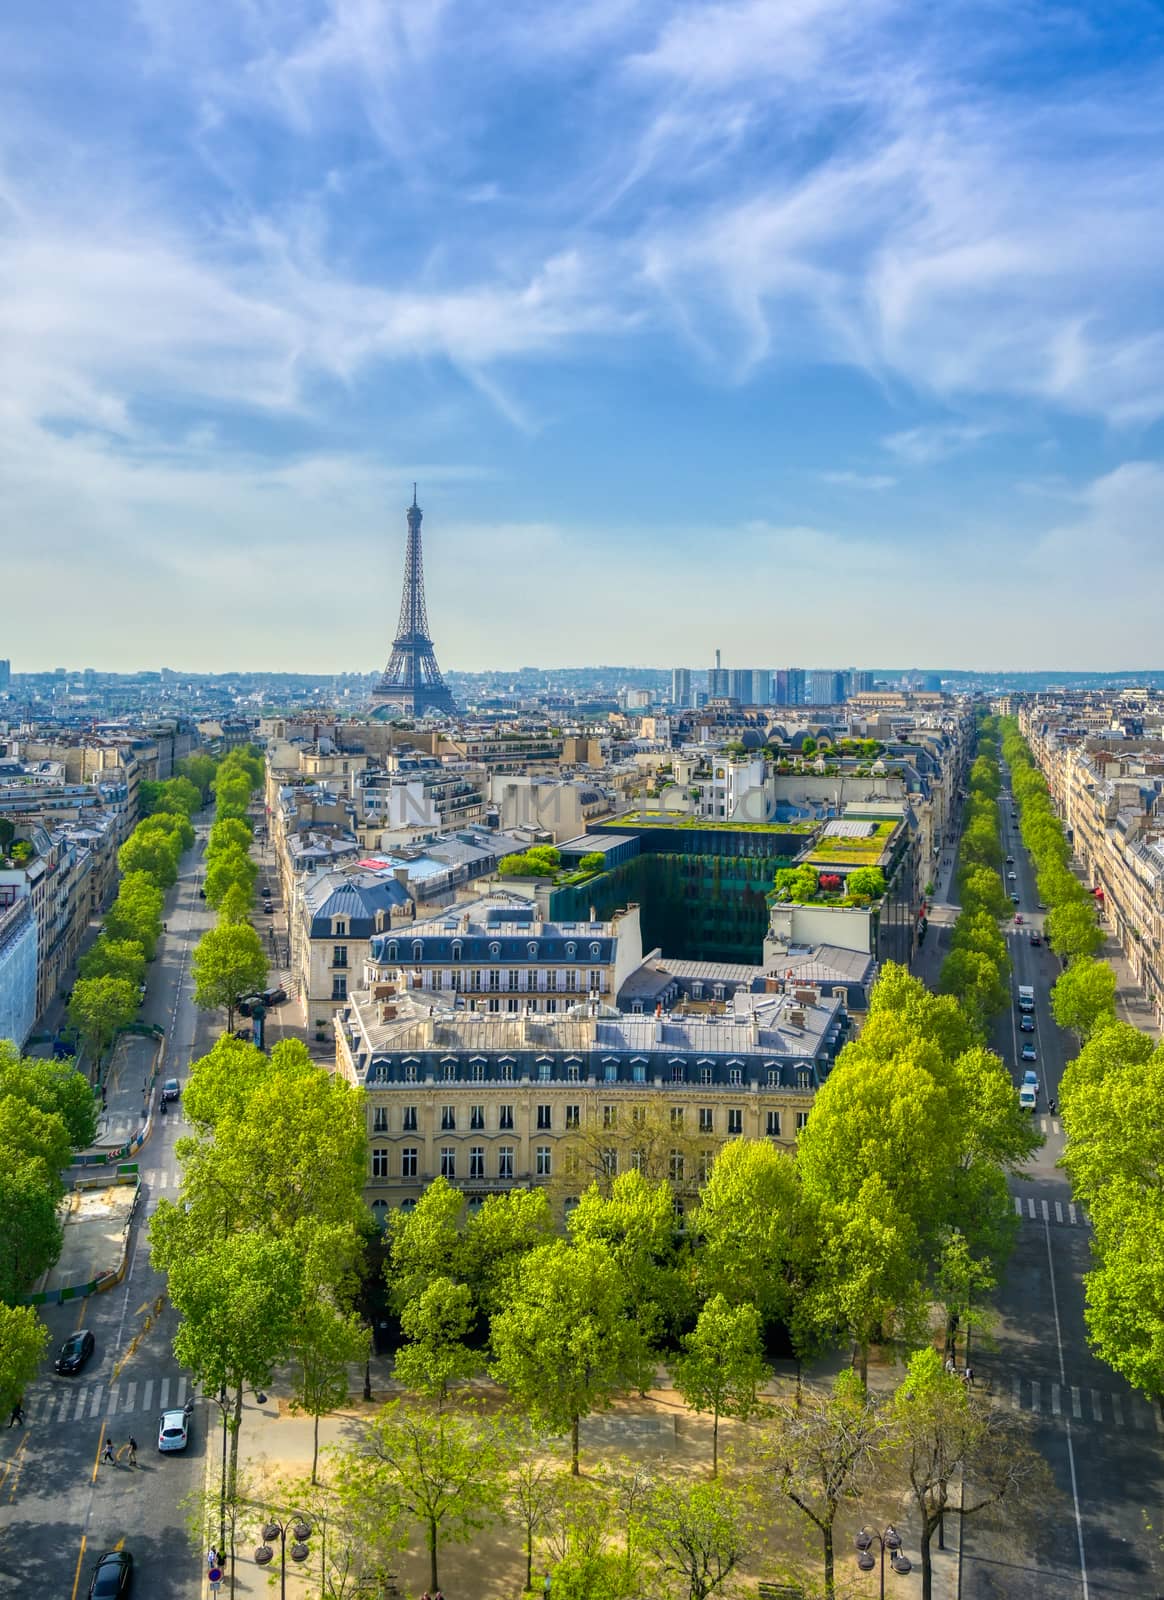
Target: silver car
173	1430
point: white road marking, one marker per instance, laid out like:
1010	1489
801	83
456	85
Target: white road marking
111	1408
80	1411
181	1399
95	1404
1076	1406
1055	1126
148	1395
1036	1397
1097	1405
1071	1212
1046	1211
63	1413
1031	1209
1018	1206
1058	1211
1055	1407
1067	1425
131	1397
164	1395
1016	1398
1117	1410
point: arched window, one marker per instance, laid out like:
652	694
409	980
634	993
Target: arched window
595	950
495	950
417	950
391	951
571	950
456	949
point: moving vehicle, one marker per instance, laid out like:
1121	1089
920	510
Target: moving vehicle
1031	1080
1036	936
1026	996
274	997
1010	861
1014	899
112	1576
1026	1023
1012	877
1029	1052
173	1430
75	1352
171	1090
1028	1099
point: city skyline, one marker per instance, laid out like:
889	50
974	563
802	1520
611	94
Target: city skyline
717	299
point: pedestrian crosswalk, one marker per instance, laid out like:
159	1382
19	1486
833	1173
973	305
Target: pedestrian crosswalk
1064	1212
64	1402
1128	1413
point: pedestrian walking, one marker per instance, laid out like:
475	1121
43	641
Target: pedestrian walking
107	1453
211	1559
969	1376
950	1365
132	1451
17	1417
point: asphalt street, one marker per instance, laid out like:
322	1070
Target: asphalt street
1103	1441
60	1508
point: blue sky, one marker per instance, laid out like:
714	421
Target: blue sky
817	331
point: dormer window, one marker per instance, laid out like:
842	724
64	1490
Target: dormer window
495	950
456	949
417	950
390	954
339	926
595	950
532	949
571	950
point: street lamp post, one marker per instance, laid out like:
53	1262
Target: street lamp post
298	1526
889	1540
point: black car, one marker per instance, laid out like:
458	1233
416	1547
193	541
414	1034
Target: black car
274	997
248	1003
112	1576
75	1351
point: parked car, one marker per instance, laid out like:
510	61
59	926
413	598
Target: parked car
1018	918
1027	1023
1029	1051
1028	1099
274	997
171	1089
75	1352
112	1576
173	1431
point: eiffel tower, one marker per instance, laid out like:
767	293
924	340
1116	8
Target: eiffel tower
412	680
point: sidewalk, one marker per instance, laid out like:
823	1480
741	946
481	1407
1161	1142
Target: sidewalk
658	1430
1132	1004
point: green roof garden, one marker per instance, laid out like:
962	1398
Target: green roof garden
682	819
853	850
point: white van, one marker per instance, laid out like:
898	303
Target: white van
1026	997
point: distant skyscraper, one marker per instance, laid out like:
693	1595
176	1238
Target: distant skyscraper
825	688
790	686
860	682
412	680
740	685
718	681
680	686
761	694
5	674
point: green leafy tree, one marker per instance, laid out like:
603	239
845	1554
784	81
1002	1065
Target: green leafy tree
961	1285
99	1009
180	794
238	1299
40	1138
114	958
173	825
1073	930
326	1343
533	1488
942	1437
495	1238
867	883
1084	996
798	884
751	1220
568	1340
982	890
1125	1289
51	1086
635	1222
23	1338
445	1472
228	963
436	1325
698	1534
425	1243
153	852
227	869
200	771
823	1452
723	1367
976	982
136	914
229	834
31	1239
235	906
592	861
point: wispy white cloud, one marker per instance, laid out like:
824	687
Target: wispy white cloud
930	442
859	480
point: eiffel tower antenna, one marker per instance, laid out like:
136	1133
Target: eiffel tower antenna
412	681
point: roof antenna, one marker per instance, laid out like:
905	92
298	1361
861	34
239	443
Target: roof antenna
414	494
